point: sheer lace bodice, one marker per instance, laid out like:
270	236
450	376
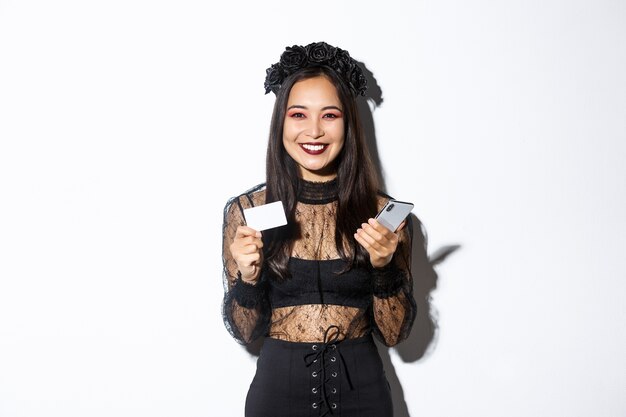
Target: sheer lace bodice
320	292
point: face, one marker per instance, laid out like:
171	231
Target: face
313	132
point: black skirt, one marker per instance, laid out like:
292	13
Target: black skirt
342	379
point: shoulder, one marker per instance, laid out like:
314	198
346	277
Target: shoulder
252	197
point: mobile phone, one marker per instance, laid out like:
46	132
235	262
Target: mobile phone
393	213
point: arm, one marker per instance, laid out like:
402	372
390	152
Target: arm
393	306
245	308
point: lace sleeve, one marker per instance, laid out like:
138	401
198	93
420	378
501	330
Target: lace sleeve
393	306
245	307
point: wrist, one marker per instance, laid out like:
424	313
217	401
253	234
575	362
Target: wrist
381	262
248	295
388	280
250	279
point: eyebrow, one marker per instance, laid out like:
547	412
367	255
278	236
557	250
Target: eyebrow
297	106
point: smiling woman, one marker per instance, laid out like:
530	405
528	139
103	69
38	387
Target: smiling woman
319	287
313	132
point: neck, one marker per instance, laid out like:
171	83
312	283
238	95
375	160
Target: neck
320	191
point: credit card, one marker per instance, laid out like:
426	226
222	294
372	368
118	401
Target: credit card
266	216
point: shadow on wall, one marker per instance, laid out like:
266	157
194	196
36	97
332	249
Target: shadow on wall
422	339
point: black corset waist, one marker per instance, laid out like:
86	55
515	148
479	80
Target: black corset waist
321	282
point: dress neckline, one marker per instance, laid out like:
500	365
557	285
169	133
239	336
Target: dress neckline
314	192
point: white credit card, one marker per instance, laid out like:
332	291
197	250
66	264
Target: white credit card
266	216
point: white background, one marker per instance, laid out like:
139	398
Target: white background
126	125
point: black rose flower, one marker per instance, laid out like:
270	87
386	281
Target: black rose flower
344	65
297	57
293	58
320	52
273	78
342	55
358	82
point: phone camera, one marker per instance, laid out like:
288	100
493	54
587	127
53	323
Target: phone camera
390	207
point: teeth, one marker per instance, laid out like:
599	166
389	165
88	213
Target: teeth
312	147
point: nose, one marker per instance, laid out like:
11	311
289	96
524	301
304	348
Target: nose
316	130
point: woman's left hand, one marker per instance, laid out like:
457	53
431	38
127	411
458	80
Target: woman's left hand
380	242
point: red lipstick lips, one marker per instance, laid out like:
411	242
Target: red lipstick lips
313	148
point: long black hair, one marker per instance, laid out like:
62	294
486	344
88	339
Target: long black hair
356	180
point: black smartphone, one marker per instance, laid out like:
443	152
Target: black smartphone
393	213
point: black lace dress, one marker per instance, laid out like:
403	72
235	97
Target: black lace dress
318	357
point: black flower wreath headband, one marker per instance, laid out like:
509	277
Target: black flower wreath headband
317	54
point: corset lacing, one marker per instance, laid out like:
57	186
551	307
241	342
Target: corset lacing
320	354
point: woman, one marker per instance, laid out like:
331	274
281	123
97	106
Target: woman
318	287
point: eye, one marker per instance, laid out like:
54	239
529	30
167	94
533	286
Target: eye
331	116
297	115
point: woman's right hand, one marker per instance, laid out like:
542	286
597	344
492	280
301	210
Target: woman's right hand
247	251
